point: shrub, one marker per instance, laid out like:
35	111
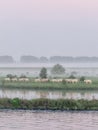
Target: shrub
58	69
72	77
82	78
43	73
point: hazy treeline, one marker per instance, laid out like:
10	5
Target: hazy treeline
6	59
52	59
57	59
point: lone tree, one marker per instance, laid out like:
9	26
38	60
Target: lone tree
82	79
58	70
71	77
43	73
11	76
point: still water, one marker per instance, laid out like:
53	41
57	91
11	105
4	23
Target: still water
48	120
33	94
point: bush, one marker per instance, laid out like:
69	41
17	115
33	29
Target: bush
58	70
82	78
49	104
63	81
72	77
43	73
23	76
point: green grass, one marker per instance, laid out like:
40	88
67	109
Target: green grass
50	85
47	104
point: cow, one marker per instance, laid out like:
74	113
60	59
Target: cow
72	80
57	80
37	80
68	80
24	79
44	80
14	79
7	79
88	81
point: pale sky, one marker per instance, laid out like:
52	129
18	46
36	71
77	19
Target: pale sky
49	27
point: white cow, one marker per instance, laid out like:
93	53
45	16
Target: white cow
37	80
68	80
57	80
44	80
14	79
88	81
7	79
72	80
24	79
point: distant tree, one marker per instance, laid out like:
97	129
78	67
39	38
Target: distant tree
82	78
43	73
23	76
58	69
71	77
6	59
61	59
29	59
63	82
9	76
43	59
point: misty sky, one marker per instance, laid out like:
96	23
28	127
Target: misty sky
49	27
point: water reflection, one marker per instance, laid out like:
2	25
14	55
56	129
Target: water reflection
31	94
45	120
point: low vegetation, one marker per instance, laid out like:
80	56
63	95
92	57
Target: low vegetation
47	104
49	85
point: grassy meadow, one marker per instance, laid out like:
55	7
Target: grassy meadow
50	85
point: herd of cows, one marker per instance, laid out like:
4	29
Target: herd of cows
87	81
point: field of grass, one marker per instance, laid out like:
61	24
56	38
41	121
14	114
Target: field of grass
50	85
47	104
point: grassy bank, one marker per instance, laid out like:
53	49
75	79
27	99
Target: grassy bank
46	104
50	85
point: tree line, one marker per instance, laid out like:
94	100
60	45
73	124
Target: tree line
57	59
52	59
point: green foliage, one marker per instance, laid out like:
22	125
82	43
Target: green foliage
43	73
63	81
11	76
15	102
58	70
48	104
82	78
71	77
3	82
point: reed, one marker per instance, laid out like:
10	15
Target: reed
47	104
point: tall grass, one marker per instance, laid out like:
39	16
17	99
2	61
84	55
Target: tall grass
51	85
47	104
